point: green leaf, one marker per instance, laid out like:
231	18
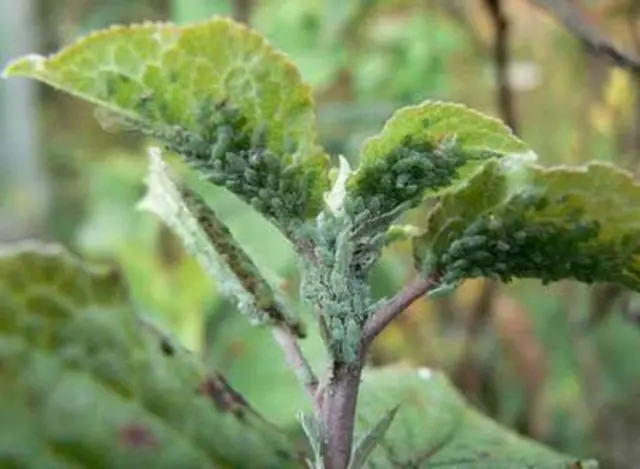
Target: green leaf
214	92
211	242
85	383
425	149
315	436
370	440
435	427
531	222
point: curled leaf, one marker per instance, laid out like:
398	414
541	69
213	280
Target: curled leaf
534	222
211	242
427	148
216	93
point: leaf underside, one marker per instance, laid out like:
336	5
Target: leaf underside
207	238
84	384
214	92
435	427
533	222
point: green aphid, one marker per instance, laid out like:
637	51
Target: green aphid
459	266
251	176
258	204
520	237
474	241
476	272
402	180
481	256
501	246
235	162
259	136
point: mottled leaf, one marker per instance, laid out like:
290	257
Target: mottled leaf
207	238
435	427
526	221
214	92
85	383
424	149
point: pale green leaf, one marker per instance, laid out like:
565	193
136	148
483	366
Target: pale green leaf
315	436
364	447
85	383
533	222
214	92
435	427
427	148
207	238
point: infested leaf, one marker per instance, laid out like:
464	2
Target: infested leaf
211	242
427	148
214	92
86	383
435	427
533	222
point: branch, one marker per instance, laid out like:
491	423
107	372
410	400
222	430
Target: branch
296	360
395	306
501	62
579	25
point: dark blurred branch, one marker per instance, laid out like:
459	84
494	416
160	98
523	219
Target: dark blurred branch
579	25
501	62
242	10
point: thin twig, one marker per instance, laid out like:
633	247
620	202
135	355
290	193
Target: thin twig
501	59
296	360
396	305
579	25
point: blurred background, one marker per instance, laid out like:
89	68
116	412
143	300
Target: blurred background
560	364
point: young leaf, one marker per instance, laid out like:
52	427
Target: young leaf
533	222
369	441
425	149
211	242
85	384
214	92
315	436
435	427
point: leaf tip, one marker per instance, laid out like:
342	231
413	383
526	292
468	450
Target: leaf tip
28	65
335	197
150	201
520	158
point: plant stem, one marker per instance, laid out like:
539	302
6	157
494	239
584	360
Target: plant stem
396	305
578	23
340	395
339	411
296	360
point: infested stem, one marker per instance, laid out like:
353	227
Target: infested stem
340	396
